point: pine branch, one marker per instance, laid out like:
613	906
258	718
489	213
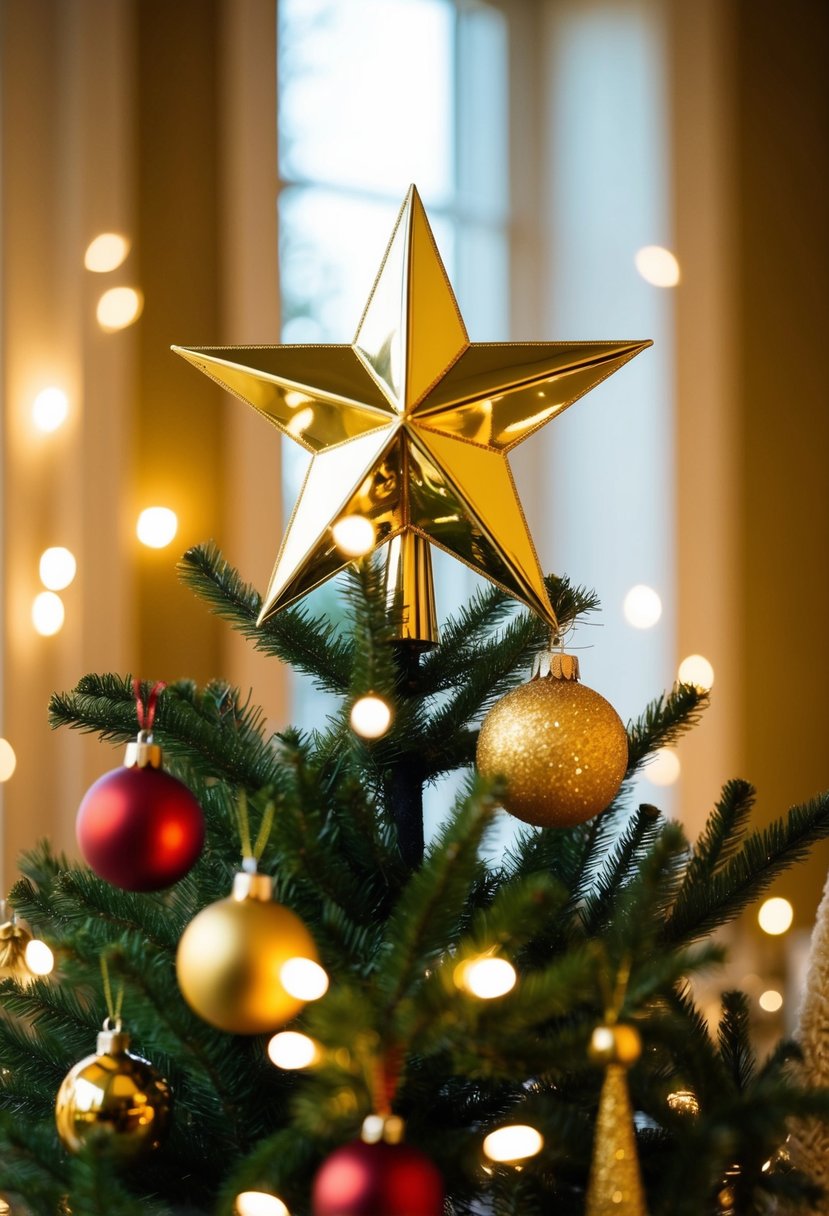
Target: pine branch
662	723
373	631
734	1037
96	1189
464	637
30	1164
713	900
632	936
460	637
282	1162
636	839
431	908
723	831
207	730
308	644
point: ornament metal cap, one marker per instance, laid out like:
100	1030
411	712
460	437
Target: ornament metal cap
142	752
249	884
617	1043
386	1128
112	1040
557	665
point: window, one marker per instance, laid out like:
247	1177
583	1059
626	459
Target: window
535	133
374	95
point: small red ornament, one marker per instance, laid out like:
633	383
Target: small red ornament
138	827
377	1179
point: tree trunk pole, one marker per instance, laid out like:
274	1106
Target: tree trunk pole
404	785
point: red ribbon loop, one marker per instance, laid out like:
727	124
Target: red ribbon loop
146	712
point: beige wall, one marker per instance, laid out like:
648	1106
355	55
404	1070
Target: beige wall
140	118
781	155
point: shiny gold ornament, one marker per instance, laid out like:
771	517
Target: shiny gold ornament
615	1185
727	1193
561	747
684	1102
14	938
17	960
114	1100
410	426
231	956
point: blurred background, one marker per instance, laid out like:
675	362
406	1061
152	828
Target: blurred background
228	171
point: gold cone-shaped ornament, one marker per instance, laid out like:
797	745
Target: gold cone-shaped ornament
410	426
615	1186
615	1182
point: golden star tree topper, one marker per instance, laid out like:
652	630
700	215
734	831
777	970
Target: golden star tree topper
411	426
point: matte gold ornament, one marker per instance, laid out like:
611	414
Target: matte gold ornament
561	747
410	426
230	959
114	1100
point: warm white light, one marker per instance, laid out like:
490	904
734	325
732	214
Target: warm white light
513	1143
50	409
696	670
47	613
39	958
156	526
657	266
770	1000
8	760
775	916
642	607
57	568
354	535
304	979
118	308
370	717
259	1203
663	768
289	1049
486	978
106	252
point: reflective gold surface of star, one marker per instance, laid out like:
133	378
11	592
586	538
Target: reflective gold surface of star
411	426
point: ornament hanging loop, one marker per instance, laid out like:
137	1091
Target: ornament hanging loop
142	752
145	710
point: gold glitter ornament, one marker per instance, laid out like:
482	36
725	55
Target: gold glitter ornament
113	1099
615	1184
560	745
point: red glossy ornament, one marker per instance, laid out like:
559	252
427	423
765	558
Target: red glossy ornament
139	827
380	1179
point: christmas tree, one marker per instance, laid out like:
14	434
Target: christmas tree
518	1034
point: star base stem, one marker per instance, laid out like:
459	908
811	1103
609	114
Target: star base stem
410	590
